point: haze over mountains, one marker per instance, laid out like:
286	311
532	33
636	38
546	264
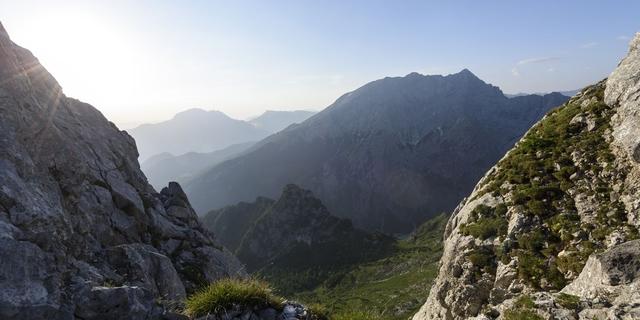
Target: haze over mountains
165	167
387	155
546	228
197	130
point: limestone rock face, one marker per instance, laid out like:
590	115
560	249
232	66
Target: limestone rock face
81	230
623	88
550	230
614	273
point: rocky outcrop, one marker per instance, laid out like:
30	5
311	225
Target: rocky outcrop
549	232
289	311
614	274
82	233
294	241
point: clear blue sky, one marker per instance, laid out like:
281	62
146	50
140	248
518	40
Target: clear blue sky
145	60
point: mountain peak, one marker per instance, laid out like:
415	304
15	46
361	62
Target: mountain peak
466	71
293	190
466	74
414	75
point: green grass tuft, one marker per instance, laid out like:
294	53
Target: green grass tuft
356	315
568	301
522	310
391	288
227	294
513	314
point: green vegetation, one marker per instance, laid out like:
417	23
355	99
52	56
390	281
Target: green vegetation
556	156
521	314
392	287
568	301
229	293
522	310
297	271
487	222
524	302
356	315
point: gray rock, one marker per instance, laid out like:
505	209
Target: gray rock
268	314
142	265
102	303
77	214
623	89
607	286
613	273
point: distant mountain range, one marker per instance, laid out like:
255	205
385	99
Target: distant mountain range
388	155
165	167
568	93
197	130
274	121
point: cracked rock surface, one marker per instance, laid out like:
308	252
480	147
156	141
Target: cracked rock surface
82	233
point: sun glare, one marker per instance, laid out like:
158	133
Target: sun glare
89	57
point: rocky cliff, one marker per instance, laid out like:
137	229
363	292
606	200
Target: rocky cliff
295	242
549	232
388	155
82	233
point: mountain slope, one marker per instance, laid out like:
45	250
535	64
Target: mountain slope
392	287
557	213
274	121
294	242
82	234
164	167
387	155
194	130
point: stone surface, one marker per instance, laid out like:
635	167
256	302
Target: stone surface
606	287
614	273
83	234
290	311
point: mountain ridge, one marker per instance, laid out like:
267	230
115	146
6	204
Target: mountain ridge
293	241
355	153
204	131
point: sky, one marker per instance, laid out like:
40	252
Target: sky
143	61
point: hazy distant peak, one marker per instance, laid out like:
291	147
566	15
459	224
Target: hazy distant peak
195	113
415	75
276	120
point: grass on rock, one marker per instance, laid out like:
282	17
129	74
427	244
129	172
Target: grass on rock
228	294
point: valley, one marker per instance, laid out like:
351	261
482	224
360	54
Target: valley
430	195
